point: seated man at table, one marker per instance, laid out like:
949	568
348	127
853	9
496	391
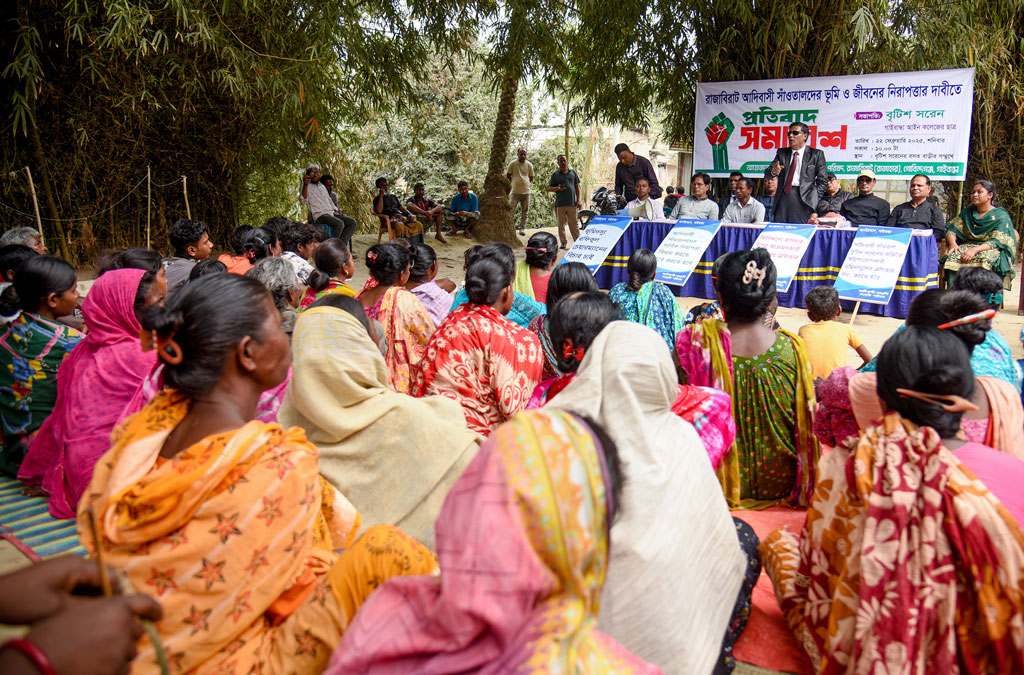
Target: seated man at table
833	200
644	206
771	184
734	178
866	208
696	205
920	213
744	208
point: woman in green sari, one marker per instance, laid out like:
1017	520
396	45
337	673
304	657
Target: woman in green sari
982	236
768	375
646	301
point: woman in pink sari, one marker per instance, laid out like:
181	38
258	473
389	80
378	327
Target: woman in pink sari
94	384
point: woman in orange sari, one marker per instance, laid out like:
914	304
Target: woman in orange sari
406	322
223	519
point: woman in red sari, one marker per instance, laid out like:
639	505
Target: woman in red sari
479	358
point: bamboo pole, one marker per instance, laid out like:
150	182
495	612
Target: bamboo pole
35	204
184	187
149	199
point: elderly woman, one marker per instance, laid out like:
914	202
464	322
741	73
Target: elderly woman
646	301
768	375
278	277
912	555
982	236
223	518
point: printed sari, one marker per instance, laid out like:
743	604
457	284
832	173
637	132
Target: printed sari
539	327
774	456
94	384
234	537
484	362
436	300
995	228
31	351
906	563
523	545
334	287
407	329
653	306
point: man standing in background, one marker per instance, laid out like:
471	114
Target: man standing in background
566	186
520	172
631	168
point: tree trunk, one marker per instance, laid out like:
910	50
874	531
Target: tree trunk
44	181
495	210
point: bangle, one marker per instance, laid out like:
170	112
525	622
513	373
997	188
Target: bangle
32	653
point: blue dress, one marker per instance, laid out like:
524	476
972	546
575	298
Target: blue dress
524	308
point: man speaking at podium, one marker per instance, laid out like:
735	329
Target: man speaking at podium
802	177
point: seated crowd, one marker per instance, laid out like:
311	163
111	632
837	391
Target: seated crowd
514	472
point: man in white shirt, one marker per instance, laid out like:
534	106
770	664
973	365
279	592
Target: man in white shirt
643	207
744	209
520	173
323	209
696	205
802	172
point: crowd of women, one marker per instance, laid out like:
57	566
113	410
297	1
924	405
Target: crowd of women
517	472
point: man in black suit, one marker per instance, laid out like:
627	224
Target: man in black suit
802	177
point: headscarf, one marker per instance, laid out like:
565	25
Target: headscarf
393	455
523	548
94	384
676	566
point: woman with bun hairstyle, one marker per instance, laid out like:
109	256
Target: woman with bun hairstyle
479	358
96	381
260	243
422	272
333	266
34	343
911	558
534	273
768	375
646	301
224	519
524	308
567	279
406	324
998	420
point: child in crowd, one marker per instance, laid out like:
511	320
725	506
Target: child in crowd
826	338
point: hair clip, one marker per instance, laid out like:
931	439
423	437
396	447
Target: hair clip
167	349
948	402
970	318
995	298
569	352
535	248
371	255
752	272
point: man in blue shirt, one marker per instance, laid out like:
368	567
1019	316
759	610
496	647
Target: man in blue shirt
465	208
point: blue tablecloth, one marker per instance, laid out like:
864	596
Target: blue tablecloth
820	264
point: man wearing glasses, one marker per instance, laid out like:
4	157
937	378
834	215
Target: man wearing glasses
802	178
866	208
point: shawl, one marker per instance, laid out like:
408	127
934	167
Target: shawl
906	563
334	286
522	284
393	455
235	264
407	328
653	306
94	384
709	410
995	228
523	547
539	327
220	534
31	351
484	362
674	544
524	308
436	300
705	354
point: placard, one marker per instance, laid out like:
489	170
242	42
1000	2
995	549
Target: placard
787	243
597	241
873	263
895	124
683	247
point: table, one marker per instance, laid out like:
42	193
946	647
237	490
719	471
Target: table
820	264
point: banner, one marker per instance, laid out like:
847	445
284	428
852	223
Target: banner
787	243
873	264
683	247
596	241
895	124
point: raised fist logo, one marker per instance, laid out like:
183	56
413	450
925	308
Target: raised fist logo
718	131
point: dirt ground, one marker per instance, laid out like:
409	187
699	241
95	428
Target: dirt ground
873	330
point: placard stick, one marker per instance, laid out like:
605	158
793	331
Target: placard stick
149	199
856	308
184	187
35	203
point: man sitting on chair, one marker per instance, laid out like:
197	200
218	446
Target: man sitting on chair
394	218
465	208
644	207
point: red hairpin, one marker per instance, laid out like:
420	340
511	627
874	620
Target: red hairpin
570	353
371	255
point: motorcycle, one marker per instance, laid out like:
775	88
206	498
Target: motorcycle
604	202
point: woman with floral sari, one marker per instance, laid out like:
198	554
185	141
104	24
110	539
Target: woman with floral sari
407	324
646	301
223	519
982	236
523	546
911	559
99	376
32	346
768	375
333	266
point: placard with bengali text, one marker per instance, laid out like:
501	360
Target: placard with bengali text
787	243
683	247
873	263
597	241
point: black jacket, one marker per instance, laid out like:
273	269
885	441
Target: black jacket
813	179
